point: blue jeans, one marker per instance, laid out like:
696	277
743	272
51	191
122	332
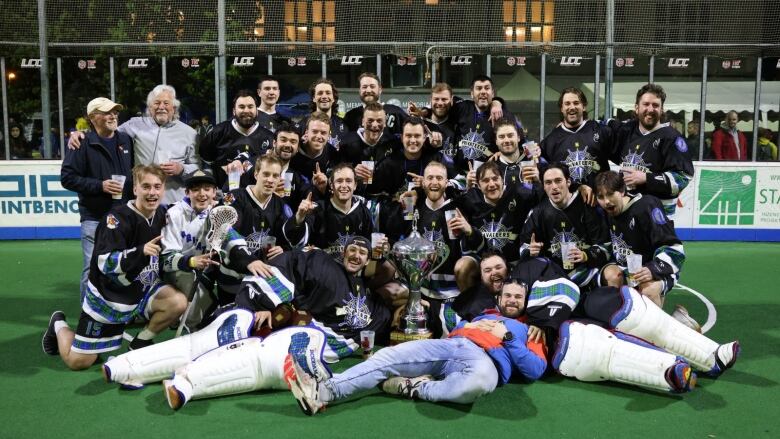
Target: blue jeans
88	228
463	371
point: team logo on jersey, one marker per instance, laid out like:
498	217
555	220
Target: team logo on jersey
111	221
335	141
563	236
442	249
356	312
656	143
680	144
149	275
632	224
581	164
658	216
473	145
257	239
496	234
635	161
596	137
553	309
619	248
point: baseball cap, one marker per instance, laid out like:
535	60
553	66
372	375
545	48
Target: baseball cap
103	104
359	241
198	177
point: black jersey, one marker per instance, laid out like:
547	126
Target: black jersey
643	228
119	269
510	171
578	223
256	222
306	164
395	117
391	175
450	155
552	297
314	282
300	186
585	151
271	121
662	154
500	224
329	229
337	129
476	137
224	143
355	150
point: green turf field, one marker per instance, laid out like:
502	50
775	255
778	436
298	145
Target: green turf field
41	398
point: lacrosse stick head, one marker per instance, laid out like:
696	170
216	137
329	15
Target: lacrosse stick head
222	218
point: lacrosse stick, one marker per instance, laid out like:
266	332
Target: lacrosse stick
221	219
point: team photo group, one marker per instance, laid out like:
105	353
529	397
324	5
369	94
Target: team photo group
263	249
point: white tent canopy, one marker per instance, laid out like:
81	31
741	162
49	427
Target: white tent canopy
685	96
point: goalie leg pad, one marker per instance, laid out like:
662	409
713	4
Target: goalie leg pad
159	361
251	364
591	353
640	317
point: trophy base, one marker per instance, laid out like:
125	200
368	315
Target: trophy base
399	336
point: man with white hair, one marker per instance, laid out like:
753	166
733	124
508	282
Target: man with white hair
160	138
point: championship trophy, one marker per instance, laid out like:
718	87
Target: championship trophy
415	258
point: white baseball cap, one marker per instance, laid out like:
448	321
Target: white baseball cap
103	104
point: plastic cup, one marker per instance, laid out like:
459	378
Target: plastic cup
367	343
532	149
370	165
234	177
377	250
121	180
526	164
288	178
566	247
448	215
267	243
634	265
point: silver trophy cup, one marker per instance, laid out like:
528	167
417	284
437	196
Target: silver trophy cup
415	257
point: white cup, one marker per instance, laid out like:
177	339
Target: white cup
448	215
234	178
566	247
634	262
408	203
121	180
376	249
370	165
367	343
288	178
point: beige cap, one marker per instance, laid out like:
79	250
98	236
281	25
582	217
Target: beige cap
103	104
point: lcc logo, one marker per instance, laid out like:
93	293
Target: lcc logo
138	63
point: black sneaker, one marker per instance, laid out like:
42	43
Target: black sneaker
49	341
137	343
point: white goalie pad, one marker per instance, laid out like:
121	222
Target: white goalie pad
250	364
159	361
642	318
591	353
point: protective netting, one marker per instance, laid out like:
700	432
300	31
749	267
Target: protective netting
405	28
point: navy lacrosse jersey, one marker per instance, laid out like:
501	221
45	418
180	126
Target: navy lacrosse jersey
395	117
476	137
337	129
119	269
450	155
585	151
300	188
313	281
257	221
329	229
662	153
271	121
500	224
577	223
224	144
305	163
643	228
355	150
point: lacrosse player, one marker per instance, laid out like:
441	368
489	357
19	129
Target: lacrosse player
123	280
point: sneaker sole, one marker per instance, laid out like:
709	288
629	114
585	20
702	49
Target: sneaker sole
298	394
50	328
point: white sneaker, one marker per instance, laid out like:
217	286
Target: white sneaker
305	388
408	387
681	315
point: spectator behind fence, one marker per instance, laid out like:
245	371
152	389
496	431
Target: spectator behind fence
728	143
